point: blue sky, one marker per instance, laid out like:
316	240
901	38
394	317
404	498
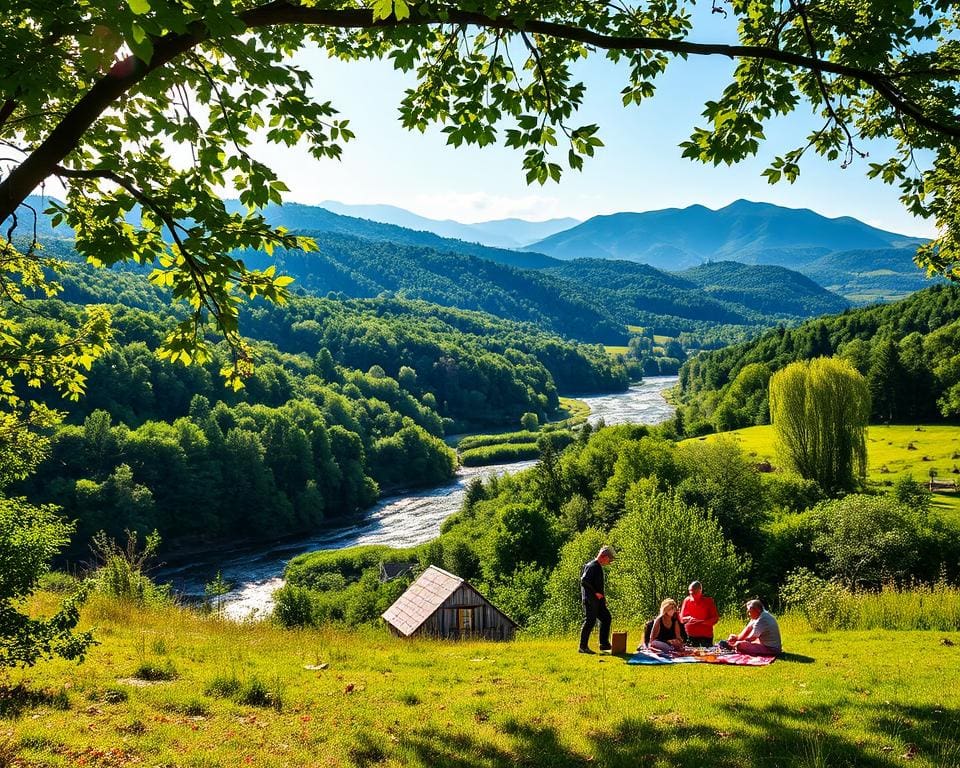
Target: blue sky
639	169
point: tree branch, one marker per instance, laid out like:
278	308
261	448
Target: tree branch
125	74
6	110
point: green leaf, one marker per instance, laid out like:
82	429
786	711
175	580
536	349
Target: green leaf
139	7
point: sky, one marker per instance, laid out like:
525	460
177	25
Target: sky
638	169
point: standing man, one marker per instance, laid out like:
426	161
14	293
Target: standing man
595	601
761	636
698	614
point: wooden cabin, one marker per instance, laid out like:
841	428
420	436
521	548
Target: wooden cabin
439	604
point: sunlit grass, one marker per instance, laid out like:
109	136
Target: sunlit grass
615	350
892	451
254	694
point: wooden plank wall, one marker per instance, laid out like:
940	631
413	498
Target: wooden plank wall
488	622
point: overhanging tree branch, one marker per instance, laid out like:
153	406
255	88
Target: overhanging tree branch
126	74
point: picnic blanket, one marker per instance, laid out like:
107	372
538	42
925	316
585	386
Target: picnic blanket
734	659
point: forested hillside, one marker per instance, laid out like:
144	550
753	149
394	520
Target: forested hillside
771	291
907	350
348	397
358	267
588	299
725	292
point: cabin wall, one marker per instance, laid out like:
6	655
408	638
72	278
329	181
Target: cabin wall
485	621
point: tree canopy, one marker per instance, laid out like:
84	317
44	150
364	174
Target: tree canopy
110	97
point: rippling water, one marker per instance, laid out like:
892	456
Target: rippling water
400	521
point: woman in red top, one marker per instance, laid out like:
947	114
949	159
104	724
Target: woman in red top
699	615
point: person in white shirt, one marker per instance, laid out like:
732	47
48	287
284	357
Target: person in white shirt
761	636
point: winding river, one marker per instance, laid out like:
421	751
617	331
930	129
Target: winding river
256	570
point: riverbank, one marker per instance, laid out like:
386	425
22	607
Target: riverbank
400	521
255	695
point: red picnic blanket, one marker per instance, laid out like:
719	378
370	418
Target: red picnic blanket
735	659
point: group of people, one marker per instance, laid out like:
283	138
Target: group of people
675	628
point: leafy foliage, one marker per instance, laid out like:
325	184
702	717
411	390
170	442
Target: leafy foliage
30	537
819	410
907	350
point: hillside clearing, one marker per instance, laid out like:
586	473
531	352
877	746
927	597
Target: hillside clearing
892	451
357	698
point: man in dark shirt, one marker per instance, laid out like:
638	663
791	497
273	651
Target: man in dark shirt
594	600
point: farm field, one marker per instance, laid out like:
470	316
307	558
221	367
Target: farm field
253	694
892	451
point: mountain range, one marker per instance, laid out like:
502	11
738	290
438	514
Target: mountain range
593	299
500	233
844	255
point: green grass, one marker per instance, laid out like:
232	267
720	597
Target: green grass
243	696
615	350
498	454
889	454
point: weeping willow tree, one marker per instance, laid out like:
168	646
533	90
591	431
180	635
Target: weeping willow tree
819	410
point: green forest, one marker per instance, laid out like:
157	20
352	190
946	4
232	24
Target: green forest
350	398
907	350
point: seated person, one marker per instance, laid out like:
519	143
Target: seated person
761	636
698	614
665	630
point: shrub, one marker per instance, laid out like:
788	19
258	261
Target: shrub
822	603
294	606
497	454
121	571
789	492
522	594
59	581
719	478
912	494
662	546
155	670
866	540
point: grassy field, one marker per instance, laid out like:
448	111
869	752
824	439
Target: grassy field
257	695
891	451
614	350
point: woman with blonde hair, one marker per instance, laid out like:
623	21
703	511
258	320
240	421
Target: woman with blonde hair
665	632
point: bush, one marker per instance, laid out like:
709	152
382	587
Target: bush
822	603
59	581
30	536
719	478
120	571
866	540
499	454
252	692
662	546
522	595
155	670
312	569
912	494
789	492
294	606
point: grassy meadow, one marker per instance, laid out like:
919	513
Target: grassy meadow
892	451
257	695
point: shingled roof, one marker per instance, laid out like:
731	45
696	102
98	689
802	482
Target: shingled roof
421	600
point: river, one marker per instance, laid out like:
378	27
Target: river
256	570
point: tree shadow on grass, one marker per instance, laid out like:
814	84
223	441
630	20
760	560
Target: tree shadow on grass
930	731
17	699
773	736
801	735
